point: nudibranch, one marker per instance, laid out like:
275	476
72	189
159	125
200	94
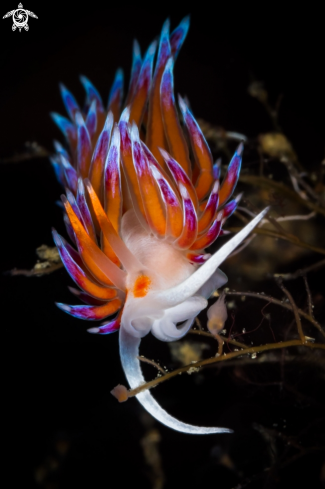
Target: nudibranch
143	202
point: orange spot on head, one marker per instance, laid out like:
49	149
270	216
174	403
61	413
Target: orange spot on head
141	286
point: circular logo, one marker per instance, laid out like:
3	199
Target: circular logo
20	18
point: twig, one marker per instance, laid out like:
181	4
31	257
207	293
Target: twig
294	308
293	172
280	303
302	271
154	364
220	344
223	358
198	323
268	183
295	217
286	237
243	246
225	338
34	151
240	216
310	303
35	271
273	221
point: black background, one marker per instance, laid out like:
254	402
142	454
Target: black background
55	377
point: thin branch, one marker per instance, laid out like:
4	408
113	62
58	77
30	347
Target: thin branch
310	302
225	338
268	183
295	174
35	272
301	272
223	358
154	364
280	303
243	246
220	344
286	237
275	223
198	323
294	308
34	150
294	217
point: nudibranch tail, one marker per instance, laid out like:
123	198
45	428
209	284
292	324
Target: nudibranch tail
143	202
129	351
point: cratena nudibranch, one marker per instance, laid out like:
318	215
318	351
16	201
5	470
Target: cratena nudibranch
143	201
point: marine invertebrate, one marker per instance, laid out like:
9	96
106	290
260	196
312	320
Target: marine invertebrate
139	214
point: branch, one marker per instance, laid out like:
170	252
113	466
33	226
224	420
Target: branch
151	362
280	187
294	308
271	299
286	237
302	271
310	302
223	358
225	339
35	272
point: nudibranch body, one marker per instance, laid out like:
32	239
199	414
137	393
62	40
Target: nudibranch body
142	203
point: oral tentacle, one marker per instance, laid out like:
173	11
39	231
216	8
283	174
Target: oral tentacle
191	285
